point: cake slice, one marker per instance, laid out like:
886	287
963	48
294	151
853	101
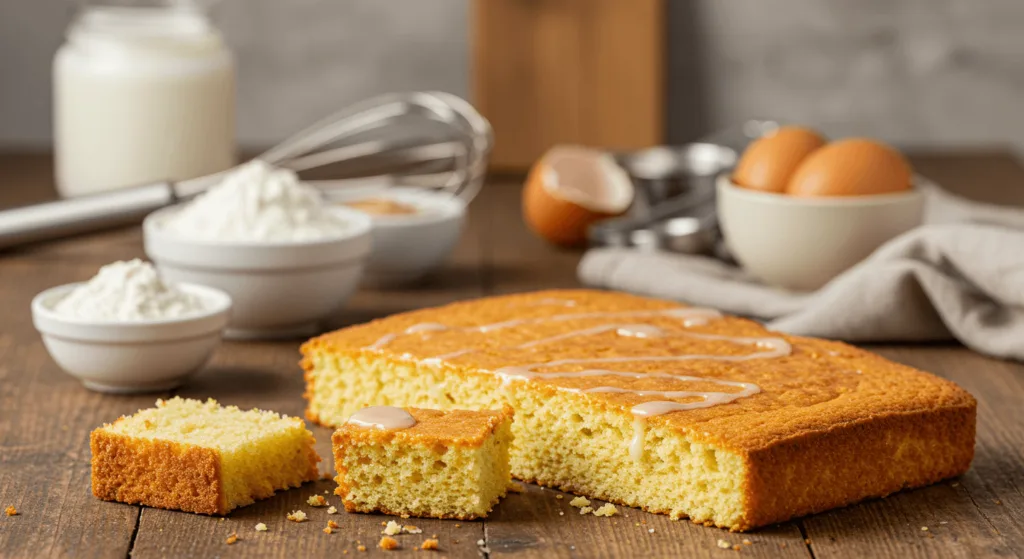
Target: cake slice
420	462
200	457
651	404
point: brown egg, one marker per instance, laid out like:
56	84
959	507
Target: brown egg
851	167
768	163
571	187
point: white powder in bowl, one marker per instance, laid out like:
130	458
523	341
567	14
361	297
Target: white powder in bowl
257	202
128	292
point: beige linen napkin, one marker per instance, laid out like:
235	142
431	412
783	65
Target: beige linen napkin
960	275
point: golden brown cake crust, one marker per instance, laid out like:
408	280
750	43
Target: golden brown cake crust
810	439
156	473
821	384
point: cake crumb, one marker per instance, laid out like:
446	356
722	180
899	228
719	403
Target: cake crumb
316	501
332	524
429	544
231	539
361	547
724	544
560	513
328	530
579	502
807	541
650	530
559	497
480	542
516	488
261	527
736	547
457	525
748	542
924	528
392	528
332	510
388	543
586	510
410	529
404	515
11	511
297	516
606	509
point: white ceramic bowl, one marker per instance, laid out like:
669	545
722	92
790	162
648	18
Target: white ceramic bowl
802	243
407	247
126	357
277	289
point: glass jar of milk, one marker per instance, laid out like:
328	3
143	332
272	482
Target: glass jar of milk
144	91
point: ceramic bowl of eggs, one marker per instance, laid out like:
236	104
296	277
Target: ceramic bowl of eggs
798	210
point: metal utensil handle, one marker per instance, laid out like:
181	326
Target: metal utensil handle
62	218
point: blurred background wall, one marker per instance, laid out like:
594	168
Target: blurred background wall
925	73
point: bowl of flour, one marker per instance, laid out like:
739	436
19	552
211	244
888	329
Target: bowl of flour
287	258
126	330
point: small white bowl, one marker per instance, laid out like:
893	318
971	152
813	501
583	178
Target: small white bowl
278	290
801	243
128	357
407	247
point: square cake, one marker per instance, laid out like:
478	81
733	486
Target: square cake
647	403
200	457
420	462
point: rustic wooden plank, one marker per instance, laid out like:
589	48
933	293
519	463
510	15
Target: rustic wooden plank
45	420
45	467
541	523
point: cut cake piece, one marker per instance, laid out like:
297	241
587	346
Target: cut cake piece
422	462
200	457
647	403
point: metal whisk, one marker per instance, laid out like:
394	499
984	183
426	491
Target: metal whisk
451	155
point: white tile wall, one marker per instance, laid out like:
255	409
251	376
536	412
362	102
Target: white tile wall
921	72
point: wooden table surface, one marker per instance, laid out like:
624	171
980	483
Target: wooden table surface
46	417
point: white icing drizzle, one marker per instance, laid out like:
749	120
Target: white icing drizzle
555	302
425	327
414	329
383	417
770	347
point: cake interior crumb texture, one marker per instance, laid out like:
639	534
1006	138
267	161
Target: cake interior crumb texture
200	457
829	424
452	464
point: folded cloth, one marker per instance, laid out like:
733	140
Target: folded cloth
960	275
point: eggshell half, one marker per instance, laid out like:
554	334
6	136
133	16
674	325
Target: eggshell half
571	187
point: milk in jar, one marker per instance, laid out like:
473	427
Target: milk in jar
142	93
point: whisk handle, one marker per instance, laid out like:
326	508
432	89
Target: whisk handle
72	216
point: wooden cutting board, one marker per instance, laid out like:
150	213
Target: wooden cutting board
588	72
